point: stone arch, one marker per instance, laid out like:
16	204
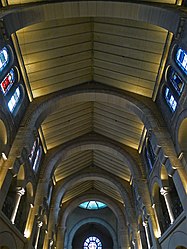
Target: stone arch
100	175
68	242
164	175
30	191
94	141
3	135
155	181
21	173
164	16
45	106
141	231
112	205
182	137
159	206
180	133
7	240
5	132
178	239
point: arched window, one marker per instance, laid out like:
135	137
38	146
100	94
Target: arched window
181	59
15	99
175	80
4	58
149	155
92	205
8	81
35	155
92	243
170	99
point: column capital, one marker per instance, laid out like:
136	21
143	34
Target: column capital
145	223
39	223
164	191
51	242
20	191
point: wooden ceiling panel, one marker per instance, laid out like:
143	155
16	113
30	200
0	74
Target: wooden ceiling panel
73	164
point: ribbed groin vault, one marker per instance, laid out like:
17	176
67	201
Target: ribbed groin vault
93	124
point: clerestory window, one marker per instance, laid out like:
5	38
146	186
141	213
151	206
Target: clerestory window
14	100
175	80
170	99
4	58
8	81
35	155
181	59
92	205
149	155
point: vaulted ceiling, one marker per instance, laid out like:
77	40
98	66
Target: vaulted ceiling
121	53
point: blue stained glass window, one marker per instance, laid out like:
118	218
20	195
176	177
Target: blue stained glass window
171	101
12	103
92	242
181	59
92	205
175	80
4	58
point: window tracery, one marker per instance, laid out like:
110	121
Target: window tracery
92	243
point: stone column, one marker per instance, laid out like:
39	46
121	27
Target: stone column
165	193
19	193
145	224
60	237
139	240
39	225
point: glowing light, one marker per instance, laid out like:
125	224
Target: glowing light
4	156
92	205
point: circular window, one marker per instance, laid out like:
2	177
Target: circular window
92	205
92	243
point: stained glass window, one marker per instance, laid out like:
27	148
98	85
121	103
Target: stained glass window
92	205
92	243
181	59
4	58
12	103
149	155
8	81
171	101
175	80
35	155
